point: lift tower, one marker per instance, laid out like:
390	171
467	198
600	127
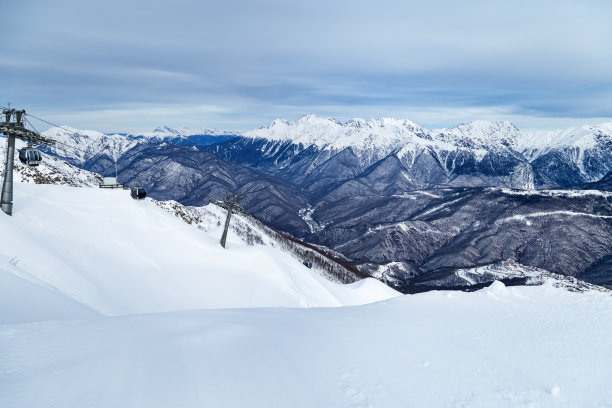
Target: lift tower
13	128
232	205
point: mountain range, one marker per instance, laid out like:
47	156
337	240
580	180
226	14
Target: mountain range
400	202
323	155
109	301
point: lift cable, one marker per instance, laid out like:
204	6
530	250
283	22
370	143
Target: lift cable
14	129
103	150
150	179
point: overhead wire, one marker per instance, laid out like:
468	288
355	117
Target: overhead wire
66	130
70	132
149	178
25	117
165	182
30	123
49	123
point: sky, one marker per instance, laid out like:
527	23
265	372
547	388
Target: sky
129	66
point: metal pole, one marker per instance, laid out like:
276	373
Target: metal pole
227	222
7	186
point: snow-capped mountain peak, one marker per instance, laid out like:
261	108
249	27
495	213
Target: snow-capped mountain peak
384	133
361	134
65	133
584	137
162	132
480	134
81	145
165	129
486	130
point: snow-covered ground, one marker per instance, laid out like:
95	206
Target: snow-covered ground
115	256
499	347
94	296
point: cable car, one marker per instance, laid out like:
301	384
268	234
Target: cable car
138	193
30	156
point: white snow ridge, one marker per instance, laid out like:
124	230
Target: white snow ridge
118	256
110	302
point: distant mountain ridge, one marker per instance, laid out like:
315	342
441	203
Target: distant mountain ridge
82	145
479	153
162	132
396	133
400	202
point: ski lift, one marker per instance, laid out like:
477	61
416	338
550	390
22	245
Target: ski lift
30	156
138	193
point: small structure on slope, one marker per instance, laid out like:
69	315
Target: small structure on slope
231	204
110	182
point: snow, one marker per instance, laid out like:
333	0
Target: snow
412	194
116	256
554	193
82	145
26	301
465	276
51	170
110	302
479	134
439	207
582	137
306	215
384	134
379	137
372	140
166	131
524	217
499	347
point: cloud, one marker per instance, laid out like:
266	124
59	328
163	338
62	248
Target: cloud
253	60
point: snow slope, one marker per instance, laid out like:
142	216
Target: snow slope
79	260
95	287
499	347
116	256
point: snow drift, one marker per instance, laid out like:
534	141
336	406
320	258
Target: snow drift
499	347
74	262
107	253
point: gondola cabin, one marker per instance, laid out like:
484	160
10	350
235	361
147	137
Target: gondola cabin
30	156
138	193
